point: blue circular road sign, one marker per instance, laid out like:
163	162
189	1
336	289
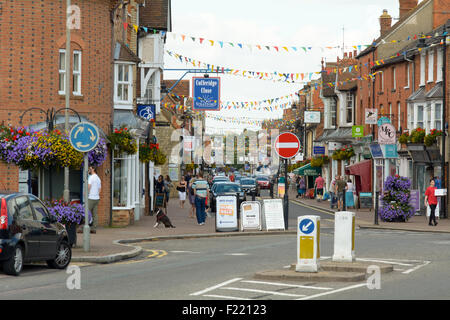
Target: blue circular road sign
84	137
306	226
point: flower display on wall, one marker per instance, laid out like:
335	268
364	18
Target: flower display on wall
66	213
345	153
395	200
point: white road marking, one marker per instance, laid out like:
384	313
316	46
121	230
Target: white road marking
215	287
184	251
276	293
416	268
225	297
334	291
385	261
236	254
286	285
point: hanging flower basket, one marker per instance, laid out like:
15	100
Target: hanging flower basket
43	149
431	138
344	153
122	140
319	161
151	152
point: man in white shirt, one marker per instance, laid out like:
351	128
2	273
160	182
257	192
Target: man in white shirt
94	188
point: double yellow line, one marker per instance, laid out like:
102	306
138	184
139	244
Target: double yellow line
156	253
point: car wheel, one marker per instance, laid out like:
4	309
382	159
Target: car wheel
14	265
63	256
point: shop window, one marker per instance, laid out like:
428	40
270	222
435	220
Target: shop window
120	187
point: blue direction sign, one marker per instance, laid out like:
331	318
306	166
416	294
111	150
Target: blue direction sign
206	93
306	226
84	137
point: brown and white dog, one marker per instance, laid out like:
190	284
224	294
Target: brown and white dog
161	217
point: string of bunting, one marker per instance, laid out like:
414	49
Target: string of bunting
272	48
285	77
266	104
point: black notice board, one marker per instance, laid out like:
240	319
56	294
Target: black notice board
365	201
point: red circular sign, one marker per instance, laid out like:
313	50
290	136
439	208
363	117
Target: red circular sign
287	145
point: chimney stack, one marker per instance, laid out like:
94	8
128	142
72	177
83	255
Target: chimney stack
406	6
385	22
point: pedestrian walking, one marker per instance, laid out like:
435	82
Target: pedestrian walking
94	188
431	201
339	189
333	196
167	185
201	191
182	185
349	198
318	184
301	187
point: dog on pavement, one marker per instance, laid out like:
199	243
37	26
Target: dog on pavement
161	217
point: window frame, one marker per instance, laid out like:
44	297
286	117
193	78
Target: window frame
62	72
76	73
430	73
350	98
119	103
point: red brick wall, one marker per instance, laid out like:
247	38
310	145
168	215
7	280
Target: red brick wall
32	33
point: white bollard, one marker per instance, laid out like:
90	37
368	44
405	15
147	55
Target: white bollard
308	244
344	237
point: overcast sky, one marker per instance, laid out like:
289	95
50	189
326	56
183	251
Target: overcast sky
315	23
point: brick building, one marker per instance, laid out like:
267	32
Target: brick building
32	75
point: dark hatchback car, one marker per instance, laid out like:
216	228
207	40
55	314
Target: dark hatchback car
224	189
28	233
250	186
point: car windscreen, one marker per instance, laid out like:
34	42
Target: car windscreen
227	188
262	179
247	182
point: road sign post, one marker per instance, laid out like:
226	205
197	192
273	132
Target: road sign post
308	244
84	137
287	145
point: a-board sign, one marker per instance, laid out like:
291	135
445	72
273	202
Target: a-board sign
414	199
226	213
160	199
250	215
273	216
365	200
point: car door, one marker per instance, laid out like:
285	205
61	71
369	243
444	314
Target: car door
49	232
30	230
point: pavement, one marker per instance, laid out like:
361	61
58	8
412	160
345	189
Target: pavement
110	244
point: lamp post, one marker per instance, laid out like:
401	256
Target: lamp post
444	212
66	193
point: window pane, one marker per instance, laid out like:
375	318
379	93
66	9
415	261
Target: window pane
75	83
62	82
120	76
120	183
119	91
24	208
62	61
125	68
76	62
419	113
437	111
125	93
39	209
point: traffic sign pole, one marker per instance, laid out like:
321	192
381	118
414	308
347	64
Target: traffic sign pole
86	228
287	145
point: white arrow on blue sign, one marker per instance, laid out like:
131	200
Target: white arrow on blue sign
306	226
84	137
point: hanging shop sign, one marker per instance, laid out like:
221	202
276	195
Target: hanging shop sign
312	116
387	134
206	93
371	116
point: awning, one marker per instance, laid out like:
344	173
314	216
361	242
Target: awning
363	175
308	170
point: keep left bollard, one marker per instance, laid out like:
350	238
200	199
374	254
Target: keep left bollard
344	236
308	244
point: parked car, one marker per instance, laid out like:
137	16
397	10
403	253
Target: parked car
263	182
28	233
224	189
219	179
249	185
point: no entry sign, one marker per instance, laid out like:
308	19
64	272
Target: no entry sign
287	145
